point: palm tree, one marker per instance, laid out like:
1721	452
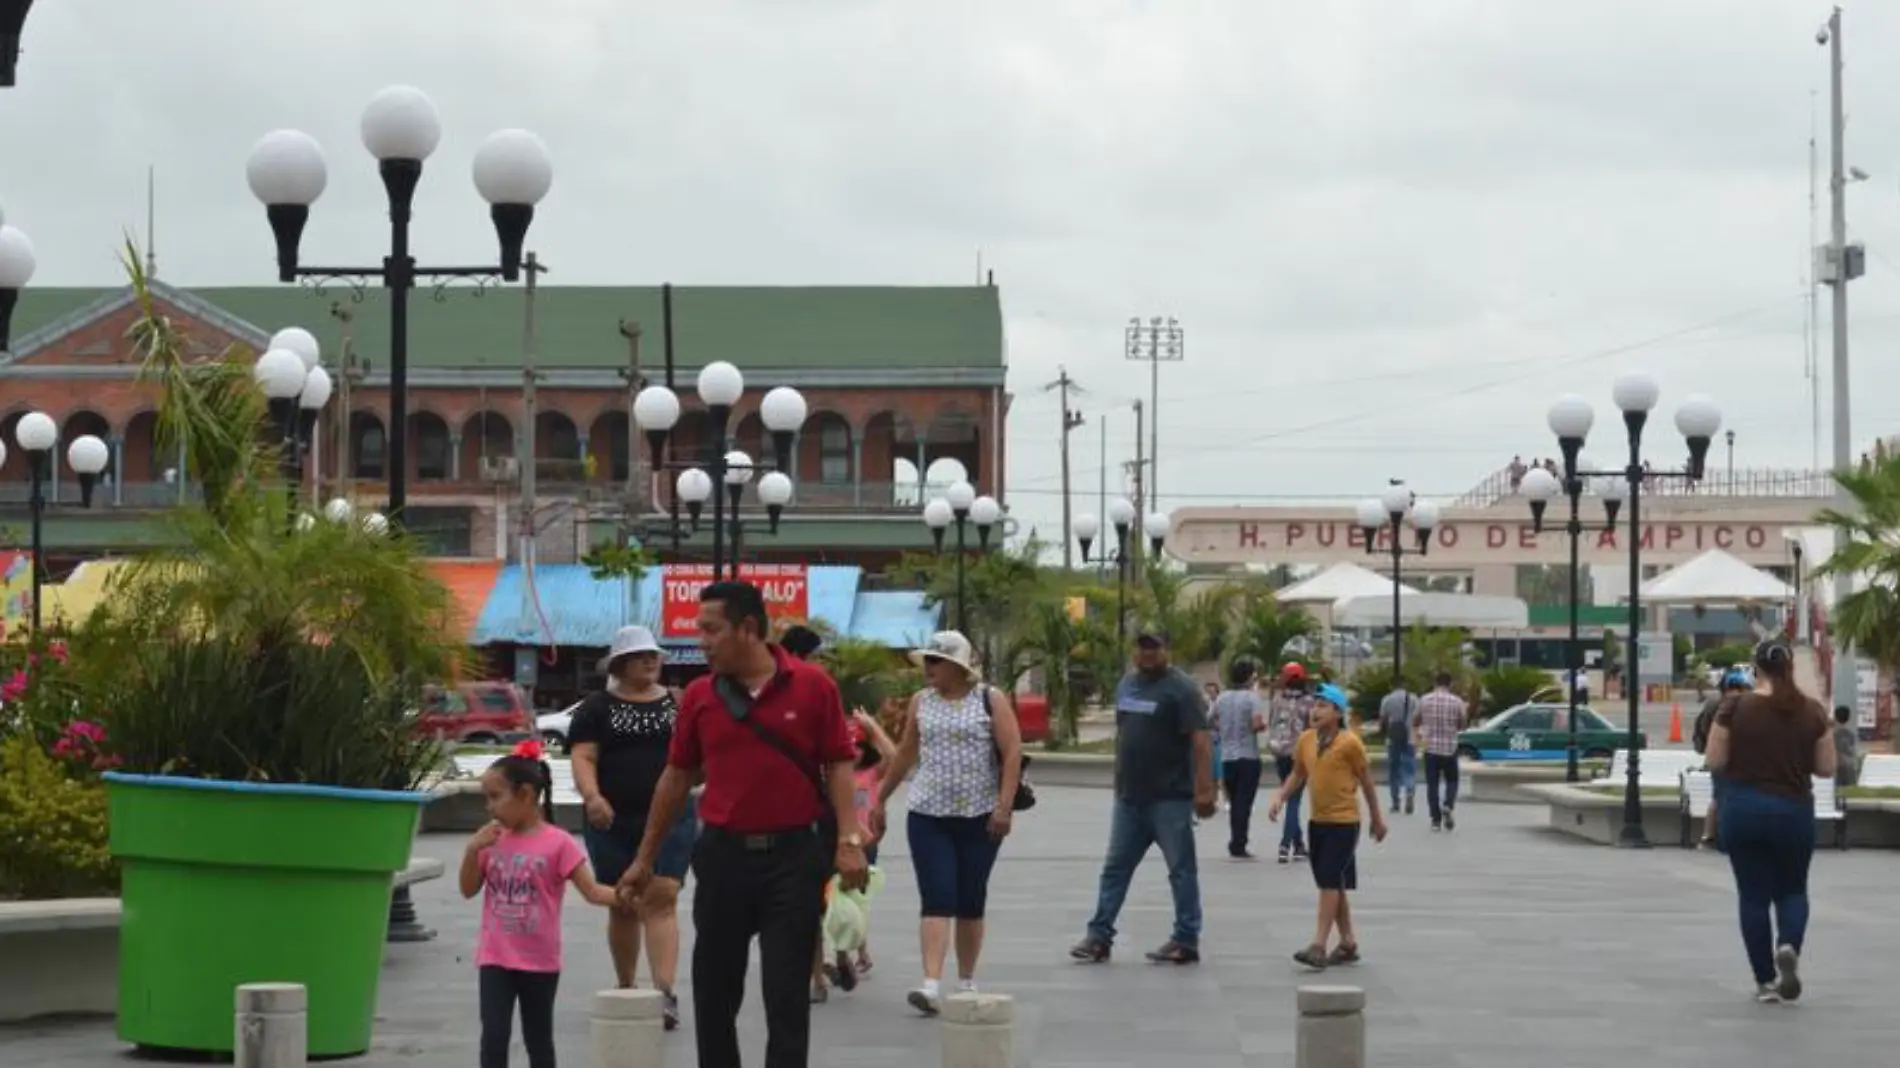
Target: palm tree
1266	626
1066	650
1199	622
1868	540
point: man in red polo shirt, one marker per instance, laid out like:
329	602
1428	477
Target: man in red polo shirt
768	731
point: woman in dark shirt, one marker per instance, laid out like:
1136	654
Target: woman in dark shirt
1768	748
620	737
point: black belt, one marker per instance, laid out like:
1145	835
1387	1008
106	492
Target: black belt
763	841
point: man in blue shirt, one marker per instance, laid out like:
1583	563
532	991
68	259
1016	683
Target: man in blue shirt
1163	778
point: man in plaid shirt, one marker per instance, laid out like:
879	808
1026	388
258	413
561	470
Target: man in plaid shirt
1441	715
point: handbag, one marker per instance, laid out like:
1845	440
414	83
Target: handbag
1025	798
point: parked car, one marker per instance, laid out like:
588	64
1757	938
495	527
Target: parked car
553	727
1541	731
474	713
1341	646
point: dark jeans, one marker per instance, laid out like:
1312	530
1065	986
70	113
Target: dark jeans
501	989
1770	843
1133	827
1441	770
1290	834
771	886
1243	785
952	856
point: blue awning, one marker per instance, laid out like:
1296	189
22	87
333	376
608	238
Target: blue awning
897	618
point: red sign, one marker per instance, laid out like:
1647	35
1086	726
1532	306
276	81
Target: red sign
784	587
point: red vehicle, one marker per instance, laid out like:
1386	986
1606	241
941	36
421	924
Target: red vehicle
478	713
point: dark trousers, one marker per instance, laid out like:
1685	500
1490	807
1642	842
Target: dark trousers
501	990
1441	770
1243	785
1770	843
1290	835
771	886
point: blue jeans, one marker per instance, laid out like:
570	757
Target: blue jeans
1770	843
1401	768
1291	837
1133	827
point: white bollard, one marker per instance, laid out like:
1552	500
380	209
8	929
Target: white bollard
273	1026
1332	1028
979	1031
629	1027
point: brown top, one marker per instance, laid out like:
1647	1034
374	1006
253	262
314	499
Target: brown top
1771	742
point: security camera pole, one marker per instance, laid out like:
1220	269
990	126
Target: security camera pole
1840	265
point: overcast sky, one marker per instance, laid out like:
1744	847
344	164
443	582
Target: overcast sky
1393	231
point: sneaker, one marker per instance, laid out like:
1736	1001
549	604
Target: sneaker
843	974
1409	802
1788	973
1438	825
1299	851
864	966
1313	957
924	1001
1172	952
1766	994
1395	806
1090	950
670	1012
1450	823
1240	854
966	986
1286	854
1344	953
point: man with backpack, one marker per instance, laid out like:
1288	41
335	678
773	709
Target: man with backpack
1396	715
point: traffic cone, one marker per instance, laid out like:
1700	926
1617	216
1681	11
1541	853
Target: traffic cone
1675	724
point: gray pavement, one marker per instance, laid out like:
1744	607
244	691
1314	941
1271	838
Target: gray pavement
1495	947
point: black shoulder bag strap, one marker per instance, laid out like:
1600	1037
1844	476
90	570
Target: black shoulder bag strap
739	706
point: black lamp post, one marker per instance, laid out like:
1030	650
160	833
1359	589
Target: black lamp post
296	386
1798	633
37	435
656	409
400	128
1387	513
1540	486
1698	420
12	20
1121	516
961	505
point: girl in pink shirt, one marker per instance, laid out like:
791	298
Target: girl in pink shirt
521	864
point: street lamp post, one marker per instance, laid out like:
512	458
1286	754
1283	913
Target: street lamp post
961	505
1566	416
1121	516
12	21
401	128
1698	419
16	270
296	387
37	435
1387	513
656	409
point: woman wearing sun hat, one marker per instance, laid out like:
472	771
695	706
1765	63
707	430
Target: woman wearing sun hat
1330	762
961	736
620	736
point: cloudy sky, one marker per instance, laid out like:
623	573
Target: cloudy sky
1393	231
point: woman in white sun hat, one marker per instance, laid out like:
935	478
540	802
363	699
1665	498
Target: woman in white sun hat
620	736
961	736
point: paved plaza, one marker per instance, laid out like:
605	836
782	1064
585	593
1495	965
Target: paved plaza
1496	947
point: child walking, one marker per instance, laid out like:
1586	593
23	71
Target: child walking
1330	763
875	749
520	862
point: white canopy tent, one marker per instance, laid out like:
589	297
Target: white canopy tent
1432	610
1336	582
1715	577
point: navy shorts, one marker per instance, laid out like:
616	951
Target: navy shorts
611	851
1330	852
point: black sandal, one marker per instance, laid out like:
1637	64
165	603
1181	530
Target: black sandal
1313	957
1344	953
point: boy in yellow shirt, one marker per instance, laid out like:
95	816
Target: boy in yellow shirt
1330	763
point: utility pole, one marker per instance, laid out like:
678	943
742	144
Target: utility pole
1160	340
1101	503
631	331
526	466
1842	264
1071	419
1136	536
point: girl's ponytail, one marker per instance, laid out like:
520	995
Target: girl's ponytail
528	766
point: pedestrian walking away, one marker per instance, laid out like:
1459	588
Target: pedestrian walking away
1331	762
1287	718
1768	748
619	740
1164	778
767	731
1238	720
1734	681
1223	794
961	736
1397	714
521	863
1441	715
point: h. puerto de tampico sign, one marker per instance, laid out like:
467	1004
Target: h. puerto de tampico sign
1211	536
785	587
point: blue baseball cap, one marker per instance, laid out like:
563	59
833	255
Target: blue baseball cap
1332	695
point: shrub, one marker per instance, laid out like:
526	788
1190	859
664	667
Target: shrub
52	827
1508	684
1727	656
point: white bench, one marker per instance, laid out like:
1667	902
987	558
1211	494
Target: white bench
1698	791
472	767
1880	771
1656	767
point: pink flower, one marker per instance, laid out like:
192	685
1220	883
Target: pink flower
57	649
15	687
86	729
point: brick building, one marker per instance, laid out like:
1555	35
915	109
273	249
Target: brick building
897	379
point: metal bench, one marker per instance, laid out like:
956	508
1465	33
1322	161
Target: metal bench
1698	790
472	767
1880	771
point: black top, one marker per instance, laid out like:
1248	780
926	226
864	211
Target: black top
1156	718
633	737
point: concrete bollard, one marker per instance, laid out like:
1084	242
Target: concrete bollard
628	1029
979	1031
273	1026
1332	1028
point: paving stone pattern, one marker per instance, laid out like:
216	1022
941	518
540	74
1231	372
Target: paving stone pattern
1498	946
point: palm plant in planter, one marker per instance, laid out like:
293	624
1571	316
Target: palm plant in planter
254	682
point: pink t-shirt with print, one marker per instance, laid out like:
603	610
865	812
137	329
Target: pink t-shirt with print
524	879
865	791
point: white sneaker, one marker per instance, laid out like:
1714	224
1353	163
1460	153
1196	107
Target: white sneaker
1788	973
966	986
924	1001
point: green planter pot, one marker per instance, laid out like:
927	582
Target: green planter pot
228	883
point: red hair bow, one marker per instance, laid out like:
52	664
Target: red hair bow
532	749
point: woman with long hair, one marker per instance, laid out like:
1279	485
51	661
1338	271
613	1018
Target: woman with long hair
1767	748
